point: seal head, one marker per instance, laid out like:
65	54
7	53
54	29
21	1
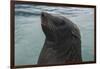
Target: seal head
63	40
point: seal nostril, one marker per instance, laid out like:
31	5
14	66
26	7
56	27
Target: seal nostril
43	14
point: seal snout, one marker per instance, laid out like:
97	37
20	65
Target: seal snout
43	14
44	18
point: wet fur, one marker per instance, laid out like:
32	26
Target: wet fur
63	41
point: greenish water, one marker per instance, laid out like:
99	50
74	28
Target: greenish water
29	37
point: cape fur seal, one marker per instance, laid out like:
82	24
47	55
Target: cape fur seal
63	41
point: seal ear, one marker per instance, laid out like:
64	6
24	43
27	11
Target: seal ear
76	34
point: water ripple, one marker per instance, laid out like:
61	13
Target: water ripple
30	10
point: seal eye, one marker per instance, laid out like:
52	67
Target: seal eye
59	23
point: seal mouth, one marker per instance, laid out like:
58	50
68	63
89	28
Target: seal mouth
47	25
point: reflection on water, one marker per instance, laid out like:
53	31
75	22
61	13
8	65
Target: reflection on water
29	38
